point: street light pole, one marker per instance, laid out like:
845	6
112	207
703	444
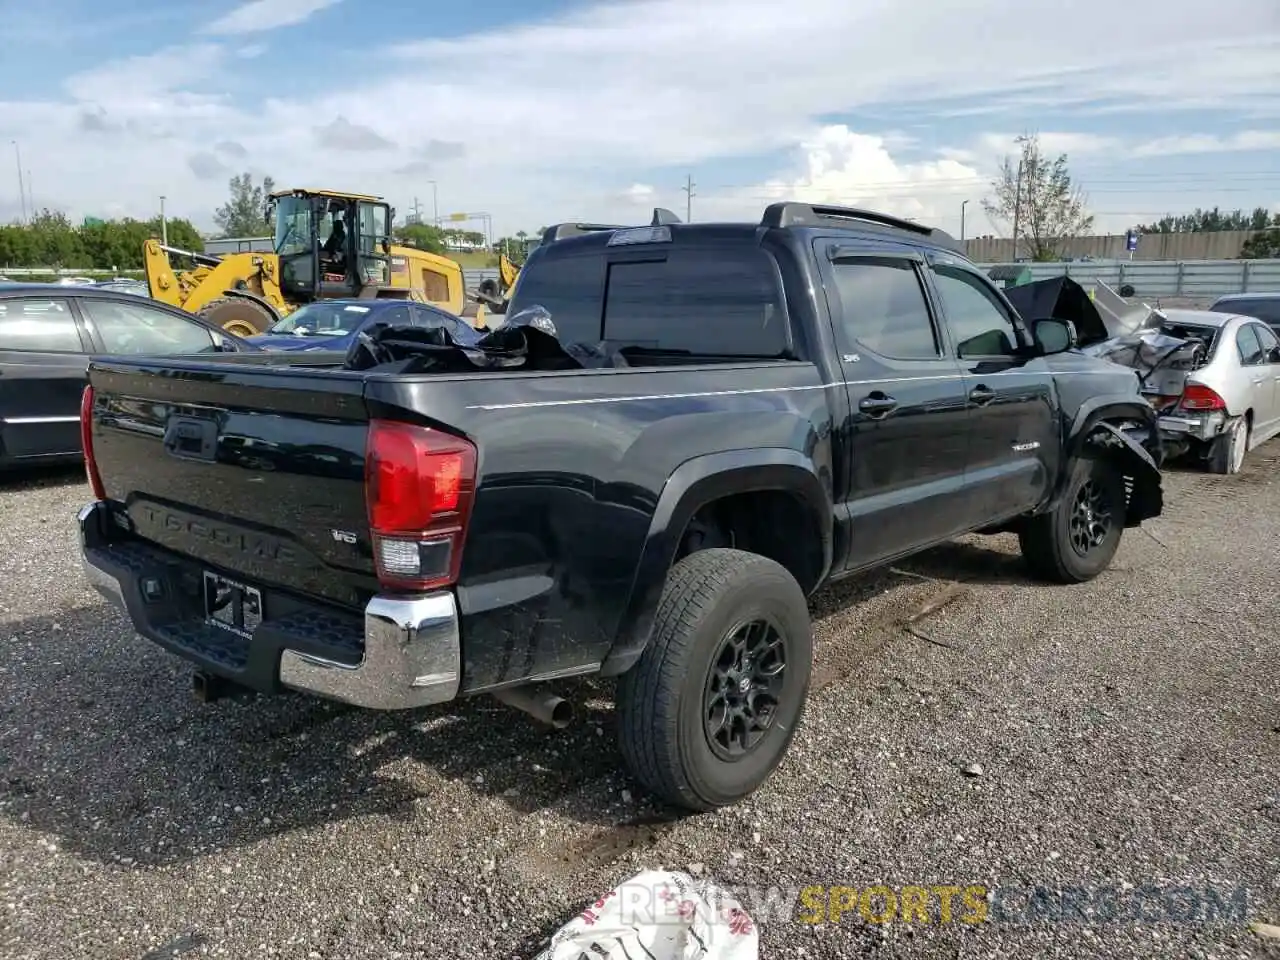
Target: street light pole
22	189
963	204
164	227
435	202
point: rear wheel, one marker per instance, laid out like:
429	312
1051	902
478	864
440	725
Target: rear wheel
1226	454
1075	541
710	709
237	316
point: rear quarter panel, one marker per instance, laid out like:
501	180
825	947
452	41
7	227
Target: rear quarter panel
572	467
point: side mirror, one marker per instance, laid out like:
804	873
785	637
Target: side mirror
1273	355
1054	336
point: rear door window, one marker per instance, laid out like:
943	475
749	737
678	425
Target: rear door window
718	302
883	308
138	329
38	325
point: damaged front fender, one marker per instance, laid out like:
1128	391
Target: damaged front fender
1144	492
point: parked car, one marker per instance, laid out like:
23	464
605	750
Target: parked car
333	324
125	285
685	430
48	333
1229	403
1261	306
1213	377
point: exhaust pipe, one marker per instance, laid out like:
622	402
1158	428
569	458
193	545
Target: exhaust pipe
540	704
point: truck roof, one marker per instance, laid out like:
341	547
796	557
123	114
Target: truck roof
782	215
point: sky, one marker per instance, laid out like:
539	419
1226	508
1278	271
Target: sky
552	110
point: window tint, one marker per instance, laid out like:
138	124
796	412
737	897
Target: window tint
1267	340
882	307
134	328
39	325
1248	346
723	301
571	290
978	322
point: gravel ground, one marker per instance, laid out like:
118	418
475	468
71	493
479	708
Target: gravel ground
1126	731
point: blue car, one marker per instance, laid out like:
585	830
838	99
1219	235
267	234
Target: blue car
333	324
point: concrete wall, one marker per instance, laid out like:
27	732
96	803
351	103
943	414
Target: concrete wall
1224	245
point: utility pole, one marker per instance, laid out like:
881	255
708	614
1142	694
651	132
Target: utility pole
688	200
1017	195
22	188
963	204
164	224
417	215
435	202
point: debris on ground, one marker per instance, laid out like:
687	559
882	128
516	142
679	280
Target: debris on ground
660	915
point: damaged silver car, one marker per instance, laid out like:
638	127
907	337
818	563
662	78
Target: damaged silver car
1213	377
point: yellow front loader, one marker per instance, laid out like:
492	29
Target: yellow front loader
327	244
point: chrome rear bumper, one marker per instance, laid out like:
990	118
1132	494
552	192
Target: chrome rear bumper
411	646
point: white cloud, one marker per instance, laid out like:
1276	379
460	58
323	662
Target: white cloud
258	16
840	166
557	119
1245	140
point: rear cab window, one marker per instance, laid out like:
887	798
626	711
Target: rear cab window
666	302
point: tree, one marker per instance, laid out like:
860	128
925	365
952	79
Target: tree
1263	245
244	214
424	236
51	240
1036	197
1208	221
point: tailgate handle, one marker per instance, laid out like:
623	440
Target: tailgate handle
191	439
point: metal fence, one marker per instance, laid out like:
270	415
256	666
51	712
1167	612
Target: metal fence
1164	278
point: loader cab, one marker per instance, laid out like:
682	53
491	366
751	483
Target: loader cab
331	245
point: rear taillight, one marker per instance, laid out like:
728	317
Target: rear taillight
1199	397
419	484
86	443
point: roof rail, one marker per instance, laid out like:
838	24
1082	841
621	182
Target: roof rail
792	214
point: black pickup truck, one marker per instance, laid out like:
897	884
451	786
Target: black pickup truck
798	400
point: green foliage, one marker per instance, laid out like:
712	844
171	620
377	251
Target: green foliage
421	235
51	240
245	212
1263	245
1211	221
517	247
1036	197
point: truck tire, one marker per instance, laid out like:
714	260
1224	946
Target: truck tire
1076	540
1226	452
236	315
709	710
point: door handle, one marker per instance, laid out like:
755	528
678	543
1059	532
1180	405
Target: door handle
877	404
982	394
1258	382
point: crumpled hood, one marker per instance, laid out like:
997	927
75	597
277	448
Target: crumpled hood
283	341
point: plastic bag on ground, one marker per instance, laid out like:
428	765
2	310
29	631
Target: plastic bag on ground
658	915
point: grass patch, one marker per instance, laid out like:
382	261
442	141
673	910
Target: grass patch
473	259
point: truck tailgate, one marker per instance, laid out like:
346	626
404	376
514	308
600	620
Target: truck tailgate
257	471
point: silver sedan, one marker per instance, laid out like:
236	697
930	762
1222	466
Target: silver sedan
1229	403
